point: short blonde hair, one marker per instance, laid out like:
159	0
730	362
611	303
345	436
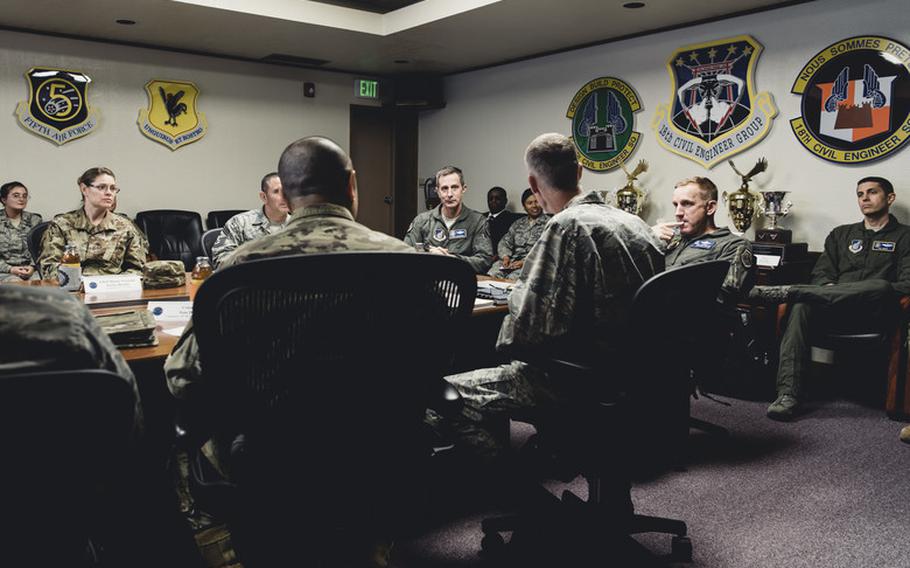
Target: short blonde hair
707	187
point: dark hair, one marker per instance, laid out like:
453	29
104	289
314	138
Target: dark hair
525	195
500	190
91	174
449	170
707	187
8	186
264	184
552	158
882	183
315	166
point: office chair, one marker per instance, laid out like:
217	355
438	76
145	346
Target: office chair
33	240
208	241
628	412
172	234
320	368
68	433
217	219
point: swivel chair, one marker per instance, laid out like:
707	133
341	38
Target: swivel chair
172	234
629	410
323	365
217	219
33	240
208	241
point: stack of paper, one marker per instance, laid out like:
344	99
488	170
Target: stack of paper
494	290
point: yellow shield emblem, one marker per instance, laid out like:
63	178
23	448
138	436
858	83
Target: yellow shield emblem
171	117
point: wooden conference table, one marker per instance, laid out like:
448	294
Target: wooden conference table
99	305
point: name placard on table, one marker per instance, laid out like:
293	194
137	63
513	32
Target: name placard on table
109	287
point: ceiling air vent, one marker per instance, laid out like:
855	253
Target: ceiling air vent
293	60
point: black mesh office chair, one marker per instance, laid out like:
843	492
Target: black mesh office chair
217	219
172	234
33	239
67	434
208	241
629	412
325	364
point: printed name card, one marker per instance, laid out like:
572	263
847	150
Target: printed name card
767	260
114	286
171	311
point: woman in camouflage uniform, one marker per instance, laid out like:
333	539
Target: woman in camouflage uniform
15	261
519	239
107	243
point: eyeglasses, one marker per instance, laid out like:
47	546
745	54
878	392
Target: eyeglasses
19	196
105	188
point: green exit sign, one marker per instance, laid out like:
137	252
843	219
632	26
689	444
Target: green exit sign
366	88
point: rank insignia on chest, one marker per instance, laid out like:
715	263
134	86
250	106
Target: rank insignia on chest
439	234
458	234
704	244
856	245
883	246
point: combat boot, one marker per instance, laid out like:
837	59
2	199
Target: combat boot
783	408
905	434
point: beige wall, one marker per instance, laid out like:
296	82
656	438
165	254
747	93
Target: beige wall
253	111
492	114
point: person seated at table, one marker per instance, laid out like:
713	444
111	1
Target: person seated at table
571	299
107	243
452	229
498	217
694	237
518	240
266	220
16	262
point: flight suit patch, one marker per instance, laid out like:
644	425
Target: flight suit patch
856	245
704	244
883	246
439	234
458	234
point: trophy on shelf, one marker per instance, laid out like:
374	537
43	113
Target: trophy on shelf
741	203
774	209
630	198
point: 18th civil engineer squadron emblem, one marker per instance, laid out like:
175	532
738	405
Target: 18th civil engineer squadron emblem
715	111
602	114
57	107
855	100
171	117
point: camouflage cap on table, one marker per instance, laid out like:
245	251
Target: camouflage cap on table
164	274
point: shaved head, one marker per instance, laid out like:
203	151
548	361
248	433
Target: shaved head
316	166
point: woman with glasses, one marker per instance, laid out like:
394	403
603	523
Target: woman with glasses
15	261
107	243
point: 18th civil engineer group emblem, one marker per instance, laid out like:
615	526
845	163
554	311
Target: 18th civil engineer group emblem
602	114
171	117
57	107
715	111
855	100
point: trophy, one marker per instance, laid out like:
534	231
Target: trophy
630	198
741	203
774	209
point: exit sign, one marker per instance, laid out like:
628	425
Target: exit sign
366	88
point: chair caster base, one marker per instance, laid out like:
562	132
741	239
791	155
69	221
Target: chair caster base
681	549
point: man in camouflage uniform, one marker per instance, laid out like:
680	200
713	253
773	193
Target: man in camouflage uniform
855	282
267	220
113	246
572	298
453	229
694	237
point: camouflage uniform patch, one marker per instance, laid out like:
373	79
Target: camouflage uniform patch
114	246
576	289
239	229
13	244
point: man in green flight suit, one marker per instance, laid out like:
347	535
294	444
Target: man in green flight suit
452	229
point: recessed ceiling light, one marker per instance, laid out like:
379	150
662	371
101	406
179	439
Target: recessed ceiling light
402	61
633	5
127	22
